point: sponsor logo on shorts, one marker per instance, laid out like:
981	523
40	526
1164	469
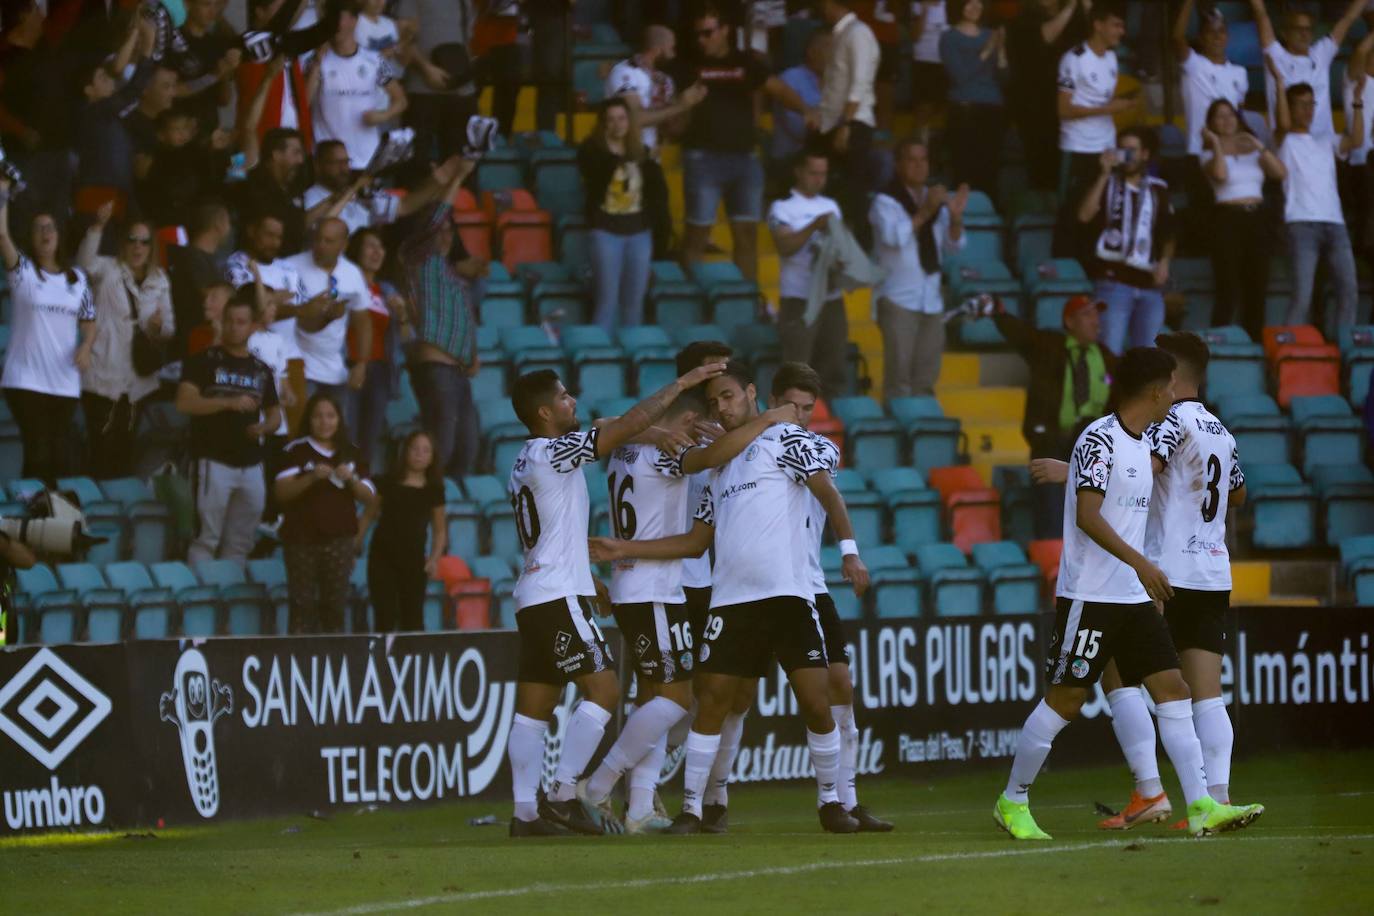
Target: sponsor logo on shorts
685	660
705	652
642	644
561	643
814	654
1079	668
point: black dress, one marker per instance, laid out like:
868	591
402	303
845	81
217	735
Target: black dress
396	560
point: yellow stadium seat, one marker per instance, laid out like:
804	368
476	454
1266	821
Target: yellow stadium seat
989	404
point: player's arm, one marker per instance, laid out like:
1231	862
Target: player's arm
1236	498
732	443
1090	521
826	493
678	547
641	416
1049	470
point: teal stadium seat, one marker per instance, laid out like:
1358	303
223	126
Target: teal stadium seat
271	575
872	439
1260	430
244	602
198	604
104	519
104	607
914	510
153	609
598	363
955	589
149	521
1283	508
1013	580
896	586
1330	433
46	613
934	437
1347	498
498	517
499	573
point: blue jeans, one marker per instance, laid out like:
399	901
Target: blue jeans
1141	311
1306	243
366	411
620	276
448	414
708	176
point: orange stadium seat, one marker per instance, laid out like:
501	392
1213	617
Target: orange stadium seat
974	511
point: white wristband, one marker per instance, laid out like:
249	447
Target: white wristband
849	548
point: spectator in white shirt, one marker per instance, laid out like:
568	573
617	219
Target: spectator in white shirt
928	80
914	227
335	184
324	271
1360	191
354	92
798	223
1312	202
1299	59
1205	74
649	90
846	108
377	31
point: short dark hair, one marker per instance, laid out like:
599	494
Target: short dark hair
808	152
258	217
1106	9
532	391
737	370
796	375
907	143
276	139
175	113
325	145
698	351
1137	370
1189	350
355	241
1297	89
1149	139
693	399
247	294
205	214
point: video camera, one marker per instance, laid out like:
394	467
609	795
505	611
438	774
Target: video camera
55	526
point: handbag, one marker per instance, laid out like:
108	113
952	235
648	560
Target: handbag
149	356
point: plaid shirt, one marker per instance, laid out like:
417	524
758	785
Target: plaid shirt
446	318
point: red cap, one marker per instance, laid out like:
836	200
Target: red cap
1078	304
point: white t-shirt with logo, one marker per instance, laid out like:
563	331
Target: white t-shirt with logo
45	329
649	500
1314	69
380	35
1186	533
696	571
278	275
549	493
1092	80
1360	154
349	88
268	346
760	507
830	456
323	350
1111	460
1310	193
791	214
1202	83
926	48
654	89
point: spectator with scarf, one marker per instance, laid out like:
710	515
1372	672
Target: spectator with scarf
1132	224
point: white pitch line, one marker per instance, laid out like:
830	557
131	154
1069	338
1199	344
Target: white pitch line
366	909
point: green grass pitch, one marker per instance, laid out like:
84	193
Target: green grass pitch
1312	852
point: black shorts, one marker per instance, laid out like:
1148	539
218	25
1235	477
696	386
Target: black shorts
929	83
836	646
1197	619
560	641
742	639
658	640
1088	634
698	606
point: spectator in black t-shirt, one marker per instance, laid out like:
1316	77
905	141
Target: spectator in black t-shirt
104	147
196	267
231	397
273	186
719	158
141	122
410	503
1036	40
206	62
184	169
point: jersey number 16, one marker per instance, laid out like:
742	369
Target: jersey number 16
622	512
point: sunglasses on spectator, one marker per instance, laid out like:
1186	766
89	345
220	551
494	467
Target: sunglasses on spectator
139	240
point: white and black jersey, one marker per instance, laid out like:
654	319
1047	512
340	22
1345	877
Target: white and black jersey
1109	459
830	456
1186	535
760	507
649	500
696	571
549	493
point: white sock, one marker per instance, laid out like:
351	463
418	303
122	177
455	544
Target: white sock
1032	747
1135	732
730	732
526	750
678	733
1214	732
1181	744
825	757
645	728
849	755
582	737
696	769
644	779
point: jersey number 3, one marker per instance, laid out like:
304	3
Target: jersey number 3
1209	505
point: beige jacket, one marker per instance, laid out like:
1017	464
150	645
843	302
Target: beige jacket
111	374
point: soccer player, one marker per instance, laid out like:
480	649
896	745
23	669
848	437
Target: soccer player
757	513
1106	600
555	595
649	490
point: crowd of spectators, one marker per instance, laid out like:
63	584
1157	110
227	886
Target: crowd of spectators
199	221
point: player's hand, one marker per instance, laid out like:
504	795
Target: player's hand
701	374
605	550
1108	161
431	566
322	471
1156	583
1049	470
855	573
707	431
668	441
786	412
604	608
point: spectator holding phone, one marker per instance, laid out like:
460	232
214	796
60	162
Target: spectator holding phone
338	295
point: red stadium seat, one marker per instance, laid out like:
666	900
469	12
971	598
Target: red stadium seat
524	237
474	228
1303	371
1277	337
1045	554
465	201
824	423
519	200
471	601
167	237
974	511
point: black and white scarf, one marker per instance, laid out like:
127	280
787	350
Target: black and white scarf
1128	236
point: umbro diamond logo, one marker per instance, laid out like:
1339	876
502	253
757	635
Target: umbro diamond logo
48	709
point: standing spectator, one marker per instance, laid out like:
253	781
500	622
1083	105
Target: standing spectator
232	401
495	43
376	31
799	224
318	489
141	123
975	59
409	505
1359	177
1236	164
1036	40
444	359
206	57
52	330
273	187
1300	60
643	82
130	292
321	334
336	192
880	16
390	317
626	197
718	145
928	80
354	92
789	128
1132	223
258	261
914	226
1070	380
195	267
1087	84
104	148
183	168
1205	73
439	77
846	109
549	27
1312	202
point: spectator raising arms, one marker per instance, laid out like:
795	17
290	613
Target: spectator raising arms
132	297
1206	75
52	330
318	489
1298	59
975	57
355	92
627	198
409	504
1087	86
1036	40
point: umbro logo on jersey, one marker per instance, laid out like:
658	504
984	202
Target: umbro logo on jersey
561	643
1131	472
814	654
